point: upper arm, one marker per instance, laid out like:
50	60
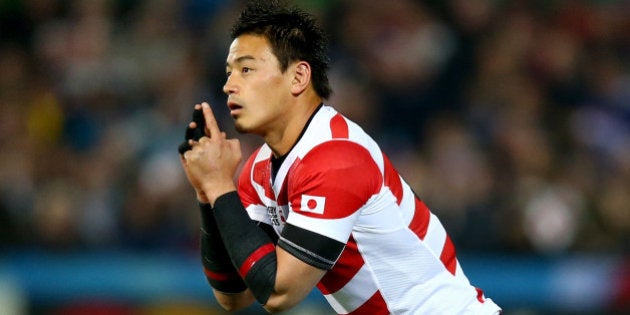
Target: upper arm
295	279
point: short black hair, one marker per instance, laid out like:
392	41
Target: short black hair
293	35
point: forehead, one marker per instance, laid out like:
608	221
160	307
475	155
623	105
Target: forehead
250	47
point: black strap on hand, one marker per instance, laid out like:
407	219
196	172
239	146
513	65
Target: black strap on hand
217	266
193	133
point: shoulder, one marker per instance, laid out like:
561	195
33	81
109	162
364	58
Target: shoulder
332	136
337	154
342	171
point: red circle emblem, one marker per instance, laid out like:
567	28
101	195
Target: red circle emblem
311	204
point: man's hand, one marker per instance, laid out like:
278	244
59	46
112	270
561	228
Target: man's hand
211	164
194	131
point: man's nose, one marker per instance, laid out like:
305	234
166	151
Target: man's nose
229	87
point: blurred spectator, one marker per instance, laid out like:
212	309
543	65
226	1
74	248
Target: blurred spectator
512	118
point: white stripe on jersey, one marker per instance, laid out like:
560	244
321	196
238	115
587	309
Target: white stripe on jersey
258	213
336	229
350	297
436	236
407	204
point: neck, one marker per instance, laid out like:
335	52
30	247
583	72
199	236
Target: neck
281	141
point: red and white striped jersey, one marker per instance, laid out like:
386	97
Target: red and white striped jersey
336	202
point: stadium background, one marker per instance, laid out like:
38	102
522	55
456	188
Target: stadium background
511	119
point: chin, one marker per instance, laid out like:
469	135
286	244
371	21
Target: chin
251	127
240	128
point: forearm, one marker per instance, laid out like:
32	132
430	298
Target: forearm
229	289
277	279
234	302
249	247
213	190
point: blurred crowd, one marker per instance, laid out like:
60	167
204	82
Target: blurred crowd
511	119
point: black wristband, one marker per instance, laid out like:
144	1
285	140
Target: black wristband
218	267
252	251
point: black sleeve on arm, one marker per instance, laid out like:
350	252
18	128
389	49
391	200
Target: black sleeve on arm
271	232
310	247
216	262
252	251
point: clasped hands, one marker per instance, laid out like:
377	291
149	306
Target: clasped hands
209	159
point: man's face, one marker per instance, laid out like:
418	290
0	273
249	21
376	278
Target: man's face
257	90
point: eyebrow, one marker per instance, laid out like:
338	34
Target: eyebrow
241	59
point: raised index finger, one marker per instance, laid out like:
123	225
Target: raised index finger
211	123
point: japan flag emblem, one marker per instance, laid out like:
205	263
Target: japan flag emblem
314	204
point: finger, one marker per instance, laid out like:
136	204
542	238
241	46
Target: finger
211	123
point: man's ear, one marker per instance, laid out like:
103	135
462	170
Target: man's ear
301	77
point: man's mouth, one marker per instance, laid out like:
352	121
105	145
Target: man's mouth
234	107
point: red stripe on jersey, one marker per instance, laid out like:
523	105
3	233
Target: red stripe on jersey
246	191
283	197
420	222
374	306
392	180
254	257
262	175
480	297
448	256
348	264
339	127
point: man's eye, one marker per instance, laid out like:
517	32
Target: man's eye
245	69
229	73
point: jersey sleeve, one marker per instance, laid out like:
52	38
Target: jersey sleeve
327	190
